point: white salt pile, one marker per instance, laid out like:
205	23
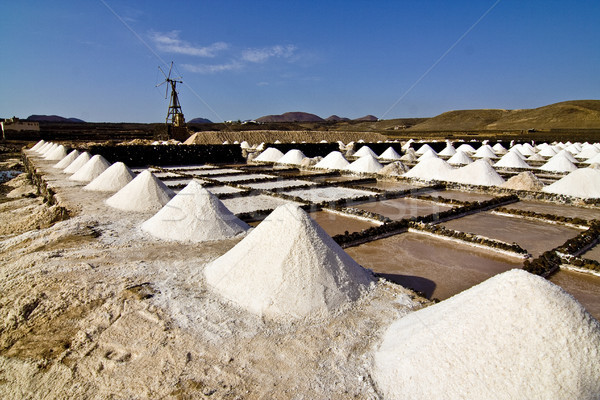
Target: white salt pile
593	160
38	145
547	152
365	151
407	145
365	164
524	181
44	147
567	155
485	151
333	160
514	336
448	151
423	149
389	154
587	153
478	173
584	183
69	158
511	160
466	148
77	163
499	149
524	149
144	193
288	268
57	154
430	153
114	178
244	145
194	215
91	169
558	163
517	152
536	157
292	157
460	158
49	150
409	156
396	168
431	169
271	154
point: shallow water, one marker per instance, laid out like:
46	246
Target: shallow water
336	224
391	186
593	254
460	196
6	176
584	287
557	209
397	209
534	236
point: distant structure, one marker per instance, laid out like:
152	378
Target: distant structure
175	120
15	124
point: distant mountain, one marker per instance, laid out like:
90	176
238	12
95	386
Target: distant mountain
291	117
369	118
52	118
335	118
200	121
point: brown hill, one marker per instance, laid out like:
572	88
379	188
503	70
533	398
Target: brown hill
336	118
370	118
296	116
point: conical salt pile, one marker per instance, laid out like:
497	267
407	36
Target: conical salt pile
91	169
460	158
365	164
567	155
292	157
584	183
69	158
428	154
145	193
547	152
365	151
431	169
485	151
536	157
524	181
288	268
114	178
511	160
389	154
499	149
42	149
396	168
271	154
333	160
478	173
593	160
424	149
448	151
410	156
77	163
587	153
558	163
49	149
38	145
514	336
57	154
466	148
194	215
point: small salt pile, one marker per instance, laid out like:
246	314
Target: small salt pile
524	181
424	149
396	168
410	156
584	183
428	154
194	215
559	163
593	160
517	152
57	154
460	158
587	153
292	157
407	145
431	169
466	148
288	268
547	152
69	158
91	169
514	336
448	151
245	145
499	149
77	163
575	148
511	160
145	193
365	151
49	149
485	151
365	164
44	147
271	154
38	145
333	160
536	157
478	173
389	154
567	155
114	178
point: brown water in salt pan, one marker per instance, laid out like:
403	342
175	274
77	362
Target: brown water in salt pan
337	224
458	195
593	254
556	209
584	287
391	186
397	209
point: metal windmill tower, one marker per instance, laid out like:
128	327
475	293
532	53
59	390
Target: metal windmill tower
174	113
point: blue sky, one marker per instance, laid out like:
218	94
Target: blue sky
98	60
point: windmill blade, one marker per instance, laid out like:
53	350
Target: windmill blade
163	72
160	84
170	68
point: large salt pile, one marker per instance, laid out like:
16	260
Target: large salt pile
567	155
547	152
431	169
588	152
396	168
389	154
292	157
478	173
333	160
38	145
49	149
430	153
194	215
514	336
365	151
145	193
365	164
91	169
584	183
460	158
77	163
593	160
69	158
271	154
114	178
448	151
485	151
559	163
288	267
57	154
524	181
511	160
423	149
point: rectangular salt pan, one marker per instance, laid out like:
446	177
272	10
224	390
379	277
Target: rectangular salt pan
246	204
208	172
188	167
243	177
328	194
279	184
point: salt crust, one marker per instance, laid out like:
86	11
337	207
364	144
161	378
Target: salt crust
91	169
288	268
514	336
144	193
511	160
57	154
292	157
77	163
333	160
271	154
559	163
365	164
114	178
460	158
584	183
364	151
69	158
194	215
524	181
390	154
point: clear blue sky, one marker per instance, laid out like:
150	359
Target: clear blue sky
245	59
